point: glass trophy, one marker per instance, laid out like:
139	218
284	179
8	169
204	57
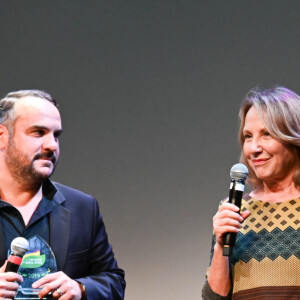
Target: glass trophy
37	263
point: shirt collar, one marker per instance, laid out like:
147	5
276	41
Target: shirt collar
49	190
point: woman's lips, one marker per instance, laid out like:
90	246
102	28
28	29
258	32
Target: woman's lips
258	162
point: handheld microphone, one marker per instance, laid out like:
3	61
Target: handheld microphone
238	174
19	246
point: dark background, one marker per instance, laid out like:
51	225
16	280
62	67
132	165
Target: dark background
149	94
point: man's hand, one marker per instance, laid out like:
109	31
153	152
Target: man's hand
9	283
61	286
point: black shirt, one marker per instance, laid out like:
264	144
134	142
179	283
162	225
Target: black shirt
13	224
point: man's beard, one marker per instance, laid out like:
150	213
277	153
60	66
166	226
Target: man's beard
21	167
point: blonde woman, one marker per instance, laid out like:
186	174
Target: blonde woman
265	262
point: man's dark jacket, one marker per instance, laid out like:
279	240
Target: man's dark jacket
80	245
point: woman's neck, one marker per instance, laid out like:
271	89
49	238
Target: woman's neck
280	192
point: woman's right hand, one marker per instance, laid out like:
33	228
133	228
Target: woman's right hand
227	219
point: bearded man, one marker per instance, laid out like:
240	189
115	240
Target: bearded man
68	220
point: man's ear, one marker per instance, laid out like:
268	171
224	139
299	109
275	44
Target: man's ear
4	136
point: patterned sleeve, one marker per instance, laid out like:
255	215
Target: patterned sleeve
209	294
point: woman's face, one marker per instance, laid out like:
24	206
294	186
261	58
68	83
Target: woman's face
271	160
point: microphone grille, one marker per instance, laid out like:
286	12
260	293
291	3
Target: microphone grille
239	171
19	246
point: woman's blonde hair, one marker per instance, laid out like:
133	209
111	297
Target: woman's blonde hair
279	109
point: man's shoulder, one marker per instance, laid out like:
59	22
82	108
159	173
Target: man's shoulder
70	192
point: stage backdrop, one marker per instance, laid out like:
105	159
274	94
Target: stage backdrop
149	93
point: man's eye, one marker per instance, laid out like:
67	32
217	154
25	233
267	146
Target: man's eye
38	132
57	134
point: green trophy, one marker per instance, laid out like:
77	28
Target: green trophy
37	263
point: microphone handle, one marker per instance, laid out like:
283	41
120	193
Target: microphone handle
13	263
235	197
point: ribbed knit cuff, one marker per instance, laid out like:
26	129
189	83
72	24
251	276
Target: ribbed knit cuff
209	294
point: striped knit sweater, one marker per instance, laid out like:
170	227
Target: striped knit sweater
266	259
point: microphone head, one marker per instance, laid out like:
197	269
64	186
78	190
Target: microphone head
19	246
239	171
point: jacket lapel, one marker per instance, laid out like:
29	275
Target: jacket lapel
60	222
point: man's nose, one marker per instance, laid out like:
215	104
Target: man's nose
50	142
